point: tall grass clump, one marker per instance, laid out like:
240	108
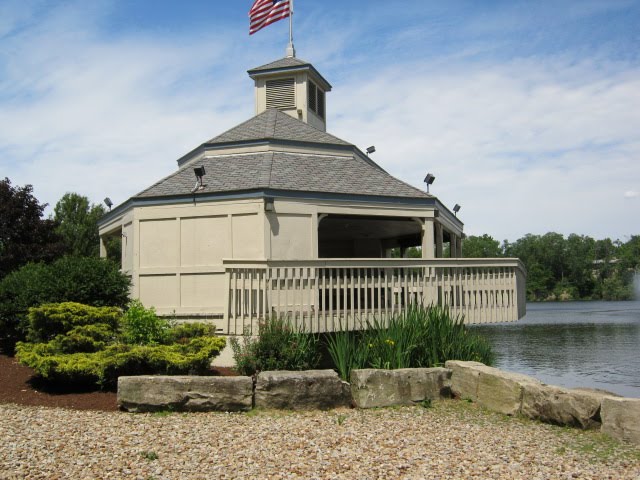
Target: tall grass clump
347	351
441	337
419	337
278	346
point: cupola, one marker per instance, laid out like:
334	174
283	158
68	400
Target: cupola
294	87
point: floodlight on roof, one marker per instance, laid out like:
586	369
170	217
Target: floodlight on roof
371	149
200	172
108	202
269	205
456	209
429	179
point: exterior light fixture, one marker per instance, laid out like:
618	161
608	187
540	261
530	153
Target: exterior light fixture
456	209
429	179
200	172
269	205
371	150
108	202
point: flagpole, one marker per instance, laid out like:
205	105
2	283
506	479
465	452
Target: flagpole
291	51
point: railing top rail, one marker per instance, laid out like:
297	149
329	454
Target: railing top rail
376	263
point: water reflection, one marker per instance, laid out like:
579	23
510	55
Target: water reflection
580	344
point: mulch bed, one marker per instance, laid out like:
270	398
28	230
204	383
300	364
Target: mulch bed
18	385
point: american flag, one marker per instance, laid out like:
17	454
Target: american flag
265	12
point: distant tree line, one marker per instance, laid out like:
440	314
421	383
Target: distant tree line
577	267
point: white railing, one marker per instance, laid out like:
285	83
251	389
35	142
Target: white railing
333	294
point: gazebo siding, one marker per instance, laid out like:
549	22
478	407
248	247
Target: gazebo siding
232	262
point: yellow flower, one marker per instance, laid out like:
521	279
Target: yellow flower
388	341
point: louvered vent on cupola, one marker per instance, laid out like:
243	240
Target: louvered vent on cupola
281	93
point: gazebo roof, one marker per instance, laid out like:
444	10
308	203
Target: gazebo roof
286	62
273	124
285	171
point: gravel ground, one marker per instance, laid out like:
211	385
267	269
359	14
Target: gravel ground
451	440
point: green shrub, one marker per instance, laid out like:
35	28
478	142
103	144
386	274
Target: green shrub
53	319
141	326
80	344
278	347
86	338
91	281
184	332
105	366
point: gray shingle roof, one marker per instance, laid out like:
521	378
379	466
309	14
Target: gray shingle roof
273	124
286	171
286	62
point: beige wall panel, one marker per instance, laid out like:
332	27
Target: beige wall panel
159	243
291	237
160	291
204	241
247	236
202	290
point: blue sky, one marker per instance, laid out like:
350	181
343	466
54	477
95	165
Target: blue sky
528	113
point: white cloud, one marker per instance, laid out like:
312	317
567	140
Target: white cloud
631	194
108	117
532	145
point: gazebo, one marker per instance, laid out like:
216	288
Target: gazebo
277	216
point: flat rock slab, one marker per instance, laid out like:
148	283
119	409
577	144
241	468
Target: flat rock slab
371	388
490	387
306	390
621	418
560	406
148	393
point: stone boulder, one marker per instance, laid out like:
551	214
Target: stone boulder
372	388
551	404
494	389
501	391
464	378
621	418
305	390
147	393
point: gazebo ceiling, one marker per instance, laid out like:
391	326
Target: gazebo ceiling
338	227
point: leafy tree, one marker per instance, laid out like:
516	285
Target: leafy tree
24	235
77	221
629	253
481	247
579	258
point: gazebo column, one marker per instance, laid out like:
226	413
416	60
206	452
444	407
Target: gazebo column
439	239
103	247
459	246
453	245
428	238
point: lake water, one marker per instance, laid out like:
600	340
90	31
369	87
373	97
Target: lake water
573	344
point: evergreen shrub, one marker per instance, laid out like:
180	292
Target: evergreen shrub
80	344
53	319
